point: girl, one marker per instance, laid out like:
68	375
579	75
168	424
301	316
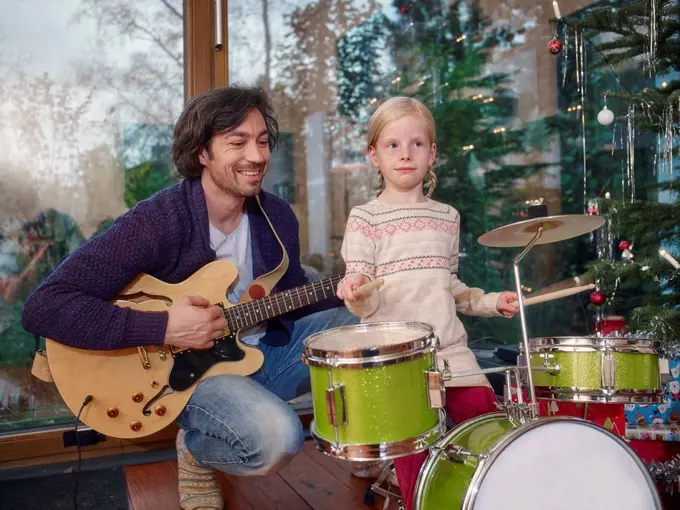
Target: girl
411	241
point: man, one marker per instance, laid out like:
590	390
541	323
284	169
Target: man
238	425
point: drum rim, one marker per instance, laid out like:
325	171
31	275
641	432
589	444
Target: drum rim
492	453
597	395
429	463
591	343
380	451
315	356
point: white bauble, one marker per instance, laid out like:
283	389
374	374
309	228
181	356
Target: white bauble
606	116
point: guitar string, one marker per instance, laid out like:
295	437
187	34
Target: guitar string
280	299
234	316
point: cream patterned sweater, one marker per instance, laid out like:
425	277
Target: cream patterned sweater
414	248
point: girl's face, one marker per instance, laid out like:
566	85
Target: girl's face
404	153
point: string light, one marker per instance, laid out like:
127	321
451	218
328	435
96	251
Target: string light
484	100
461	38
574	108
499	130
468	147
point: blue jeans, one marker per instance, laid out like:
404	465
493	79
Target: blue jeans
243	425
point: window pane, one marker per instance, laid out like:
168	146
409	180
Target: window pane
89	92
508	114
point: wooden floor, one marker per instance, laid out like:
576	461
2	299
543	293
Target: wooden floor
312	480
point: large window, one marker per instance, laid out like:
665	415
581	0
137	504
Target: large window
89	92
508	114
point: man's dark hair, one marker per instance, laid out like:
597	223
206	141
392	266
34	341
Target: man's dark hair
214	112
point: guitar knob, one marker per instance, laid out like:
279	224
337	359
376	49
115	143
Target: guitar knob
160	410
137	396
112	412
136	426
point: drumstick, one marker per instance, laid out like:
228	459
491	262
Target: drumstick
558	294
569	283
369	287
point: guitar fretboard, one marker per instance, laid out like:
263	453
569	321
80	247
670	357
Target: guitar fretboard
245	315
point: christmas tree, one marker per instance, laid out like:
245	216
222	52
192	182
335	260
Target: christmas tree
637	273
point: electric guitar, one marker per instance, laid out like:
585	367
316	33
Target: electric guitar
136	392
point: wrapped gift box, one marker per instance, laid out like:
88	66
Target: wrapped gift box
608	416
656	432
666	412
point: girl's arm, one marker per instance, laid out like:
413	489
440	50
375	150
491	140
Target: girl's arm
469	301
358	252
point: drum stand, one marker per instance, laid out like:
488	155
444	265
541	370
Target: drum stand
517	410
531	410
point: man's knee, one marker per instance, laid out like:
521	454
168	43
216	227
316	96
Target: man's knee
282	446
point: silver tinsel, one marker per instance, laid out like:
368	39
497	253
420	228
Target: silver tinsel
630	151
666	474
579	39
650	55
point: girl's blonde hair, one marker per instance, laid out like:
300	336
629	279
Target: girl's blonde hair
394	109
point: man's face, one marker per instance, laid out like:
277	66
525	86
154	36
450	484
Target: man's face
237	161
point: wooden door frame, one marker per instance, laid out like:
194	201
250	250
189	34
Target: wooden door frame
205	65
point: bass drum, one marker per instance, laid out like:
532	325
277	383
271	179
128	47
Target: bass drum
556	463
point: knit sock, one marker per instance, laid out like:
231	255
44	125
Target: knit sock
199	487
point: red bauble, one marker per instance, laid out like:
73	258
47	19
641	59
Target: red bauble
555	46
624	245
404	8
597	298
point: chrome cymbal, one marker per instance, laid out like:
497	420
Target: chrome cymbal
555	228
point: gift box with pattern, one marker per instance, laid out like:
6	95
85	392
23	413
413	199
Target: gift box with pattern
666	412
656	432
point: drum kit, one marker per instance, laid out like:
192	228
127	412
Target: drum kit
378	395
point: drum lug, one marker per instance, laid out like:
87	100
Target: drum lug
549	366
608	370
460	455
435	389
335	405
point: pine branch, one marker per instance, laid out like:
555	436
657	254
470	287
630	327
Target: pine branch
631	24
662	324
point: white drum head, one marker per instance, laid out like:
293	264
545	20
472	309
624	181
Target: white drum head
346	339
566	465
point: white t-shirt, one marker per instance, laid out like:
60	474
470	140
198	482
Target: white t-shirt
235	248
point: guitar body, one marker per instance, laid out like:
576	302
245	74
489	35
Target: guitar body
139	391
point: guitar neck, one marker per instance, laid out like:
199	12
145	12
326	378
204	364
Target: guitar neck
245	315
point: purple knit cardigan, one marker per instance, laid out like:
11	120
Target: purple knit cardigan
167	237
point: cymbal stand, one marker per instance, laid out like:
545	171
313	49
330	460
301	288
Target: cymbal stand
532	406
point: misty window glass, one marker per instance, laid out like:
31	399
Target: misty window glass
89	93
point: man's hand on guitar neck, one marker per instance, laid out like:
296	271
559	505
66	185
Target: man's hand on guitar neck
194	324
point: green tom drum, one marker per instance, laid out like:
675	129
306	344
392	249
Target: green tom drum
595	369
376	390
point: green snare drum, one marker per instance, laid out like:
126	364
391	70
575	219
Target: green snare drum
595	369
370	390
557	463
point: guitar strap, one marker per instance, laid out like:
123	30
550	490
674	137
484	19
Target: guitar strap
270	279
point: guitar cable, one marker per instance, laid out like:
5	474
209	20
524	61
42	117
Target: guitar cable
86	401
